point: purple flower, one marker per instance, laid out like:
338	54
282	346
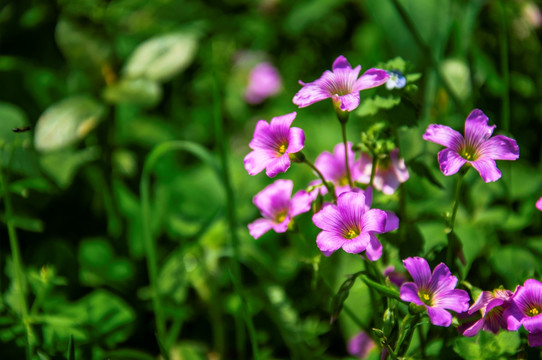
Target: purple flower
264	81
341	85
435	291
350	225
272	144
360	345
491	305
526	309
333	168
539	204
277	208
476	149
390	172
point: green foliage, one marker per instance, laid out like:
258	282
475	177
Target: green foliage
91	87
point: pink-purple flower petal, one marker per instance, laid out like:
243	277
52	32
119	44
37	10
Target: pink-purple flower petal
450	161
409	293
444	135
535	339
259	227
539	204
374	248
456	300
499	147
357	244
300	203
371	78
374	220
476	128
442	280
487	169
419	269
296	140
439	317
278	165
257	160
328	241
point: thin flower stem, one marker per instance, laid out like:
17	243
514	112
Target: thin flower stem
381	288
503	39
348	175
455	205
373	169
321	176
17	264
407	328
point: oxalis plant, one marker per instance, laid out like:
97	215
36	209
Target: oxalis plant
341	201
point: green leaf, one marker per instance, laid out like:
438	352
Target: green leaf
162	57
340	297
423	171
99	265
143	92
62	166
372	106
11	117
514	263
83	45
467	349
66	122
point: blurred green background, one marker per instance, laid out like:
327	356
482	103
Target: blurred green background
102	83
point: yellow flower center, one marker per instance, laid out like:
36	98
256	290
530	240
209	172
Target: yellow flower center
467	156
343	181
425	297
280	217
533	311
282	148
351	234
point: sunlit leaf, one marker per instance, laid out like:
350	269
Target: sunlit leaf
162	57
67	122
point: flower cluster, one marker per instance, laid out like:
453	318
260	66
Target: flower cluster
347	221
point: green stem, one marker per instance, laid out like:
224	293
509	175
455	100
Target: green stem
348	175
321	176
389	292
373	169
428	54
505	109
457	194
18	268
408	325
220	138
150	249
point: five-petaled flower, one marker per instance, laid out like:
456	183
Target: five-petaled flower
389	174
341	85
272	143
350	225
491	306
396	80
526	309
436	291
277	208
477	149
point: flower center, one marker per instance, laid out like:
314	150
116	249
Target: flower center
343	181
281	216
282	148
468	153
533	311
350	234
425	298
